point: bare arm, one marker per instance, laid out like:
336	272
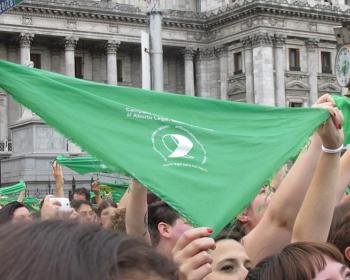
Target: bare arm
58	175
124	200
95	187
275	229
344	179
136	219
315	216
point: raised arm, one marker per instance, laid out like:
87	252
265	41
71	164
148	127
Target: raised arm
315	216
95	187
58	175
275	229
136	212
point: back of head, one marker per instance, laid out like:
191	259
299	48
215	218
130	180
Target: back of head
74	251
159	212
6	213
340	237
81	192
301	260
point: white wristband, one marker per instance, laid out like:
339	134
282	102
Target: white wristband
332	151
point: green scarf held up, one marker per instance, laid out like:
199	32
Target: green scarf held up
206	158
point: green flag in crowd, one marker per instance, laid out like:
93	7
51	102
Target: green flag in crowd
8	4
84	164
206	158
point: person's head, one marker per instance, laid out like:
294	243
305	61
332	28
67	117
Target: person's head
81	194
14	212
230	260
77	251
302	260
84	209
165	226
253	214
340	237
104	211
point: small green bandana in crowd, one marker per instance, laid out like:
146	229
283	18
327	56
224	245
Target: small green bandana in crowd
84	164
206	158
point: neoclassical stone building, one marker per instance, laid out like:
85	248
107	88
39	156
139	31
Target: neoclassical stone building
275	52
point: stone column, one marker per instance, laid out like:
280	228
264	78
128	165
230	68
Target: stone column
189	71
156	17
203	60
25	43
96	63
223	58
112	48
264	90
3	116
249	70
25	40
280	66
70	44
312	59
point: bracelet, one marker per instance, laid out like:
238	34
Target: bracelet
332	151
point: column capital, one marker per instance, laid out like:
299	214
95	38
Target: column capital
262	39
221	51
247	42
112	46
188	53
25	39
206	53
70	43
312	44
279	40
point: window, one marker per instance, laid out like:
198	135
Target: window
36	59
326	62
295	104
294	60
119	70
79	67
237	61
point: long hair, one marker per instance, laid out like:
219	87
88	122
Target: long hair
59	250
297	261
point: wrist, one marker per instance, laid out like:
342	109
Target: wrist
332	150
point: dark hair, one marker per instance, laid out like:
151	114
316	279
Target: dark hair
82	191
76	204
6	213
340	236
159	212
340	212
300	260
57	250
104	205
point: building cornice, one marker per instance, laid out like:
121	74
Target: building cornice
123	13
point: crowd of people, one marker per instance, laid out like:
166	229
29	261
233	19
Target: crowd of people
296	228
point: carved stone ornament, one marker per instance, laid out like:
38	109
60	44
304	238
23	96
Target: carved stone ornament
112	46
26	39
70	43
247	42
221	51
262	39
27	20
206	53
279	40
189	53
312	44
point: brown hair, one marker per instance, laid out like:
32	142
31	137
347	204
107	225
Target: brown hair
104	205
340	236
301	260
58	250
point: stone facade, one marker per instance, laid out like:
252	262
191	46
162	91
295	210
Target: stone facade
275	52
